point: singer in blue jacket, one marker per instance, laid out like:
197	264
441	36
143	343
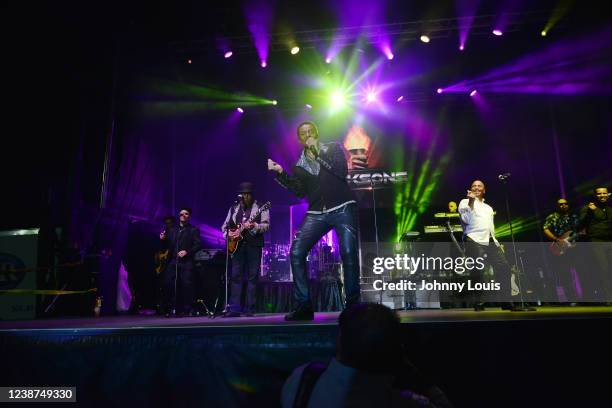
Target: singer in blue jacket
320	176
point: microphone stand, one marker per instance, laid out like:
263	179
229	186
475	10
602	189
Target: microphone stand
376	231
522	308
226	268
225	308
176	260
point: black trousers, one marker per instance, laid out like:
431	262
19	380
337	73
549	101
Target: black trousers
562	267
600	286
178	276
494	257
246	267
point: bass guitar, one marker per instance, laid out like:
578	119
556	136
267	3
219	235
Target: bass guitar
565	242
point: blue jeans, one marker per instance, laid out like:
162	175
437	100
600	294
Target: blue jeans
314	226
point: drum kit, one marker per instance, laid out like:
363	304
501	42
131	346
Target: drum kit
323	262
275	264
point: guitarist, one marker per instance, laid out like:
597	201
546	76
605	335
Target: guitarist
246	261
560	227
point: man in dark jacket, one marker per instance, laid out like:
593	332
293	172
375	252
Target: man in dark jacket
182	241
320	176
596	219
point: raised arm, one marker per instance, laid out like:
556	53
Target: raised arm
465	211
291	183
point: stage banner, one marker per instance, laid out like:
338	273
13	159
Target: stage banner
376	172
18	260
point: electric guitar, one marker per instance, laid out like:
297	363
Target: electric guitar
566	242
232	243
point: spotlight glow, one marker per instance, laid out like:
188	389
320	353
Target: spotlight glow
308	106
338	100
497	32
543	33
390	56
371	97
189	61
240	110
228	54
461	47
401	98
274	102
295	50
264	64
439	90
328	60
425	38
473	93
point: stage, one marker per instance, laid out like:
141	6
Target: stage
205	324
490	358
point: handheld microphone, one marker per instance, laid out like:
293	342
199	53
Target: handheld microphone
504	176
314	151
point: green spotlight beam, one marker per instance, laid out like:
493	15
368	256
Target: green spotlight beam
519	225
558	13
414	197
186	98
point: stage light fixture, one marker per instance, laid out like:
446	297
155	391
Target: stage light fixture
473	93
228	54
189	61
264	64
328	60
439	90
425	38
274	102
543	33
371	96
401	98
308	106
295	50
461	47
240	110
497	32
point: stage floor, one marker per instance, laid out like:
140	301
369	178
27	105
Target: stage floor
480	359
429	316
